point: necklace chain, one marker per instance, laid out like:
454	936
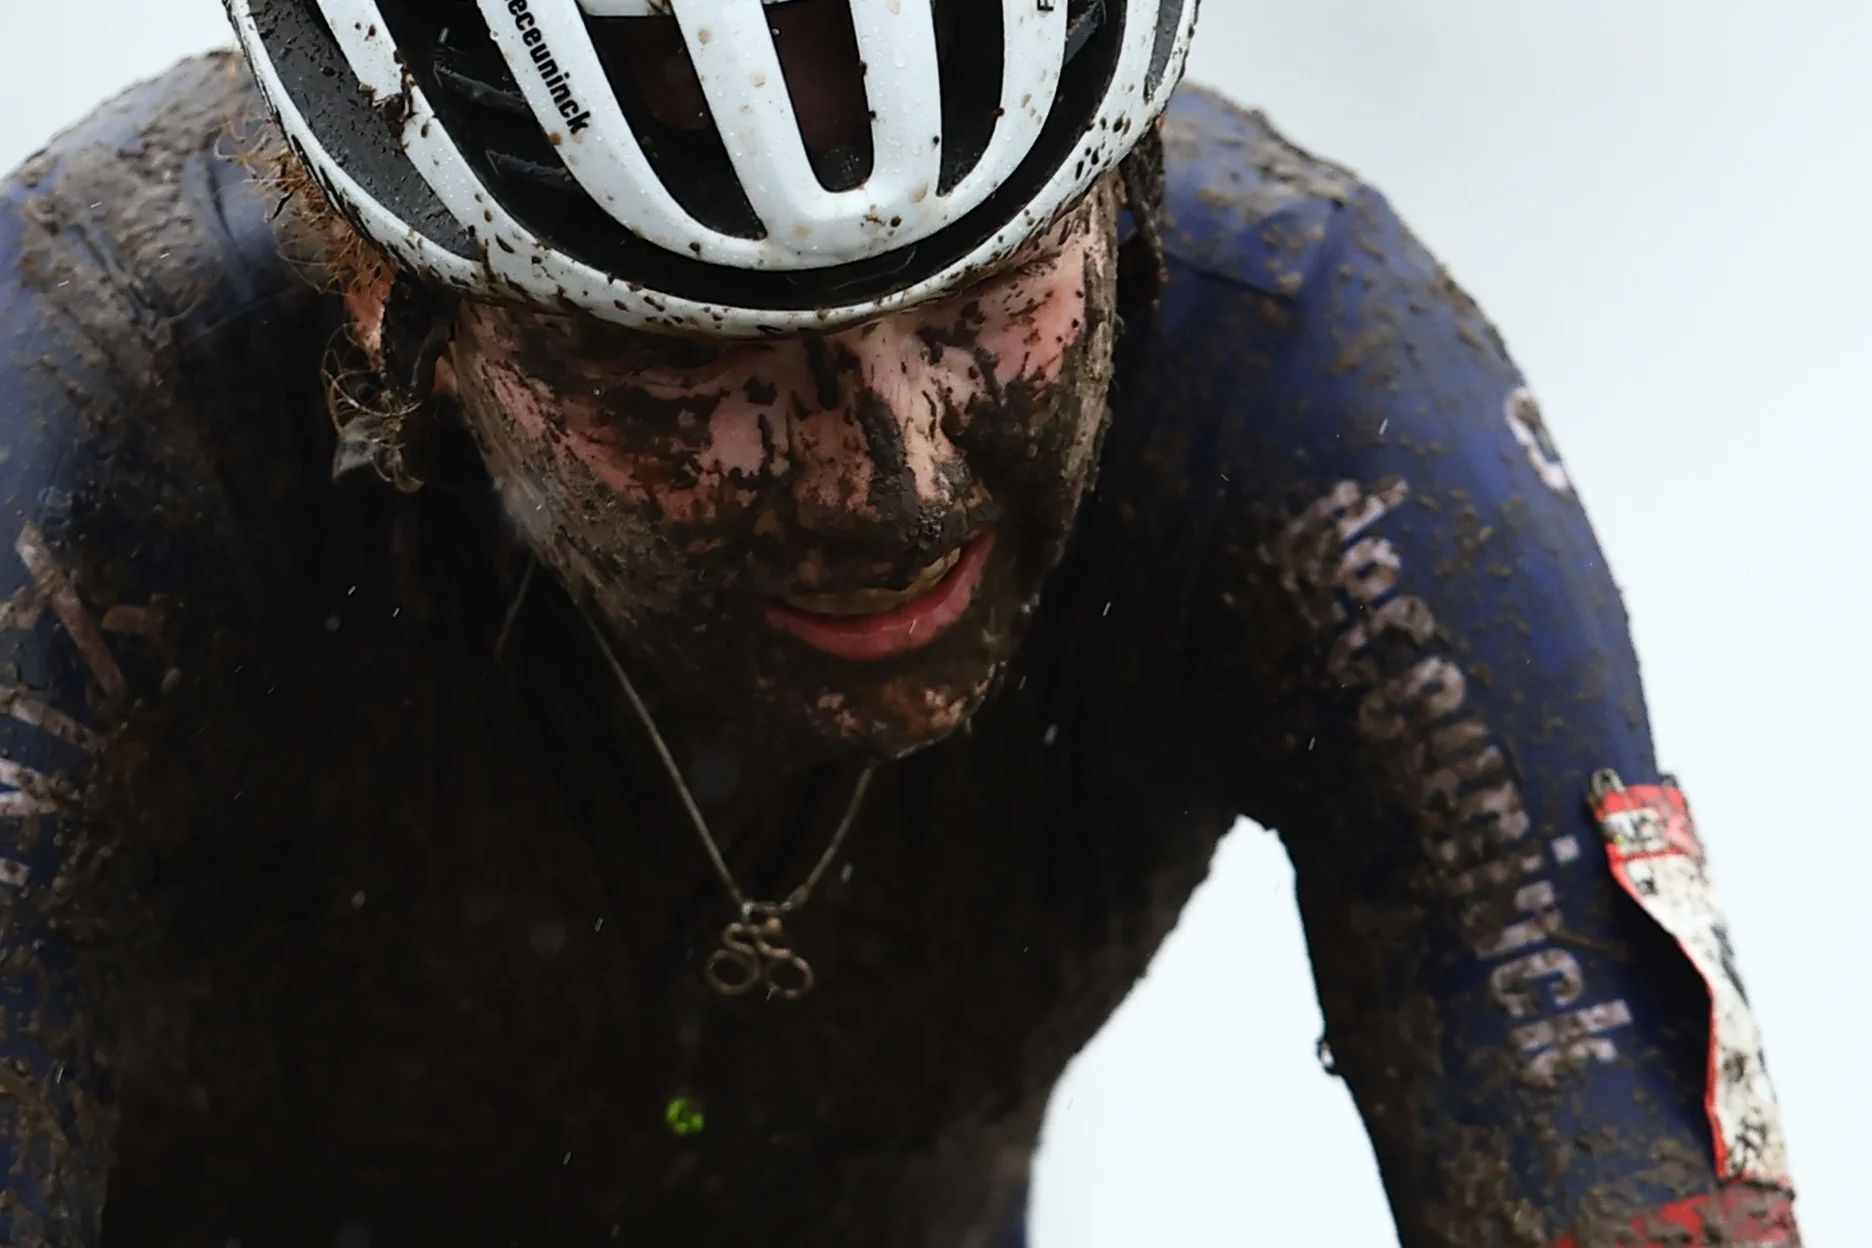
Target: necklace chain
753	950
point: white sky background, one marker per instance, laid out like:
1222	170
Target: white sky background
1665	205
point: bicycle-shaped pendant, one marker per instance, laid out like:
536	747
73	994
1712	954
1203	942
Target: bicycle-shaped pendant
753	954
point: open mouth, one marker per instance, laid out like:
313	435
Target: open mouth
871	624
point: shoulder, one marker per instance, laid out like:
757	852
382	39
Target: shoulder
1306	339
1249	214
142	289
1272	248
144	224
1242	202
159	361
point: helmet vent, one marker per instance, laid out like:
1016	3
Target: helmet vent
969	39
867	154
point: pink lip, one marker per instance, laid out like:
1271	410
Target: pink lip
867	638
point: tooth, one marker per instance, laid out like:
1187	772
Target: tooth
872	601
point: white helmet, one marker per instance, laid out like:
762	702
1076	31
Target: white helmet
711	165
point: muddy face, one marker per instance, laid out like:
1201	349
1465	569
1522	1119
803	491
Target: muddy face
837	537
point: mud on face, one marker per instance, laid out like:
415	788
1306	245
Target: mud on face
686	490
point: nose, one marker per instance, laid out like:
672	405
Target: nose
875	463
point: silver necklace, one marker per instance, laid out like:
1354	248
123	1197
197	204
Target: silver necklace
753	950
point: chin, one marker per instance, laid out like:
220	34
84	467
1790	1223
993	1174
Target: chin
832	708
837	709
901	716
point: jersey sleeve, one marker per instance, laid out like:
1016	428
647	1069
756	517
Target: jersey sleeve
140	301
1435	701
60	682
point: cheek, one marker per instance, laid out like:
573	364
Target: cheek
702	462
1033	324
719	456
1034	348
511	395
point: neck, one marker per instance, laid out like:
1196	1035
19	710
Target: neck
736	776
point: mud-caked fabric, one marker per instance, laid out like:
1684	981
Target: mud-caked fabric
345	900
110	525
1432	662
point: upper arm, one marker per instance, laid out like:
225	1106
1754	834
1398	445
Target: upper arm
1432	661
146	478
60	684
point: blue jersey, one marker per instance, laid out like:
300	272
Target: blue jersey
339	900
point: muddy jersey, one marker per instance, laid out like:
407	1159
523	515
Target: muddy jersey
345	901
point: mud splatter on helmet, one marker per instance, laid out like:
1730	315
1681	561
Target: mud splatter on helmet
728	167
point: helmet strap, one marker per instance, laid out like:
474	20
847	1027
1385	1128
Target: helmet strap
417	326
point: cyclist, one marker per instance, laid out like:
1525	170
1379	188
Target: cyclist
569	679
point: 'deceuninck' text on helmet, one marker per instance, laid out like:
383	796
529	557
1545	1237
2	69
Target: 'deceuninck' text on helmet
728	167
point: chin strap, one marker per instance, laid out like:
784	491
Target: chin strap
417	326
